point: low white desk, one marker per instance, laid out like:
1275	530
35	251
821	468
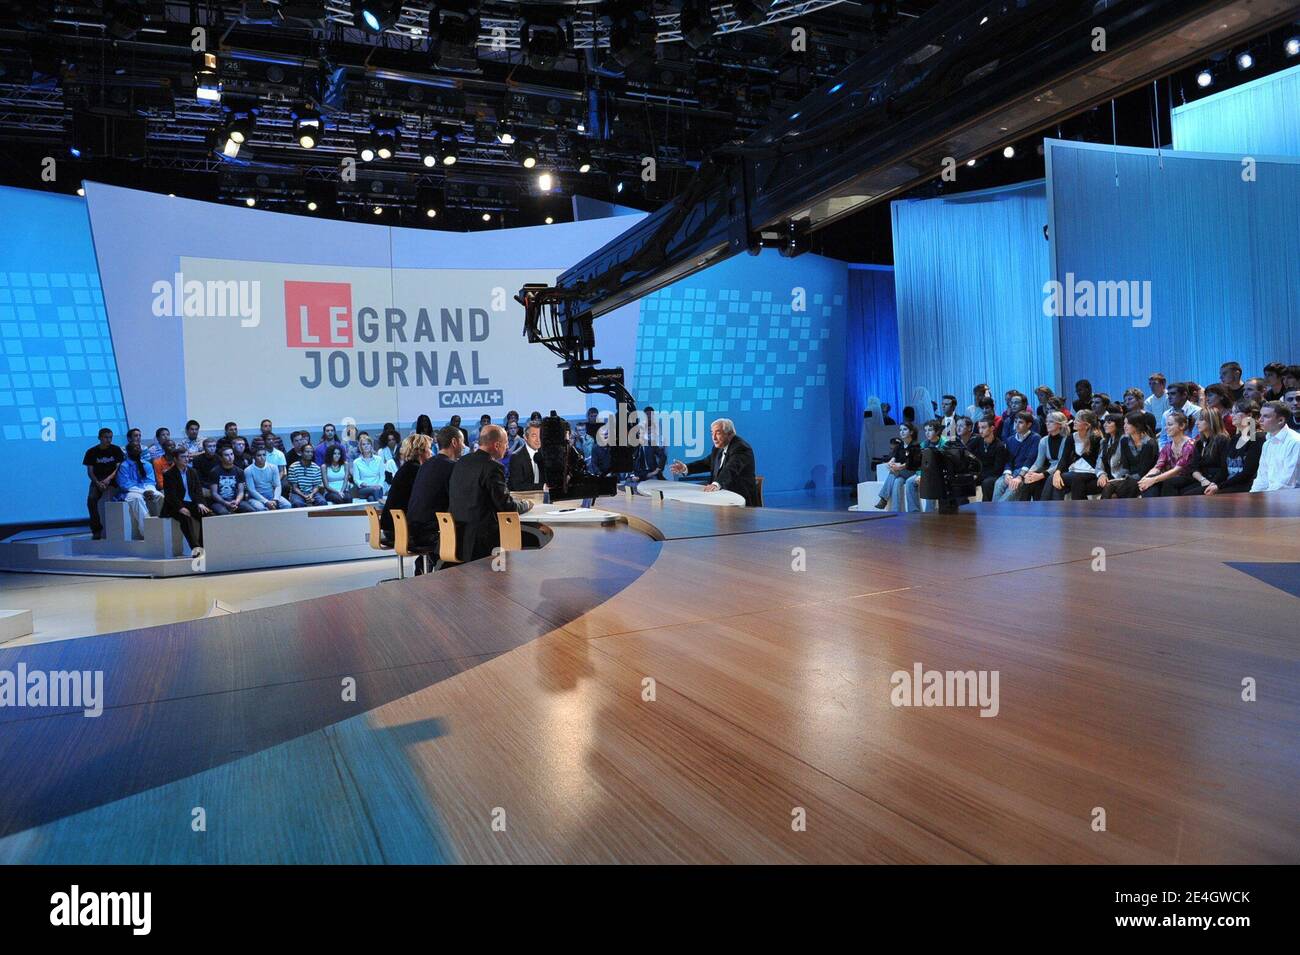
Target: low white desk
689	493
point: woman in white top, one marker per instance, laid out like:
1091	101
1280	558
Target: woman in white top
368	473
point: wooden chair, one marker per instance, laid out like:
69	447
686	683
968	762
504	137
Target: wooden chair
758	482
446	541
376	542
511	534
402	538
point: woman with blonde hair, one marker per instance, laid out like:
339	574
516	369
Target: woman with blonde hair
1055	451
415	450
1080	479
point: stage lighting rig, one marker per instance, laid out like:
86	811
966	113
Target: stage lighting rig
632	36
698	24
454	27
307	127
542	39
750	12
375	16
207	77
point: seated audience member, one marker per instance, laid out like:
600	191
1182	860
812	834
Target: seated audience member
1022	452
1230	381
262	481
1057	403
306	486
1292	401
1082	395
381	443
101	462
974	410
1055	451
158	448
207	462
885	419
932	436
512	415
515	437
336	477
243	456
274	455
1137	453
1110	458
592	424
989	409
183	497
162	465
1171	467
1273	373
455	423
1157	403
1216	397
135	486
430	492
1135	401
424	426
1254	390
1044	395
948	415
1279	461
191	442
992	454
602	462
525	472
483	421
230	432
730	466
350	439
329	439
1243	450
649	460
903	463
477	493
1209	464
1180	401
1079	479
368	472
270	440
390	443
1101	404
226	486
1291	379
535	416
964	430
133	436
416	449
1016	403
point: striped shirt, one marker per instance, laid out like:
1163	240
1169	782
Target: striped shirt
304	477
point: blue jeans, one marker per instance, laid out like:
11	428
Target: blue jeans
892	489
370	492
912	493
297	500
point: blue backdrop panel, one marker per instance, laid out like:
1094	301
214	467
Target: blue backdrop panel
1260	118
1220	254
969	273
728	342
871	362
58	379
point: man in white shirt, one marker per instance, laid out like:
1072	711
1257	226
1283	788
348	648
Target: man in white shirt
1279	462
1157	404
526	464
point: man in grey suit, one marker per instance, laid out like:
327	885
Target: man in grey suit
730	466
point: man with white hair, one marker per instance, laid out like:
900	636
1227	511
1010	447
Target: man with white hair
730	466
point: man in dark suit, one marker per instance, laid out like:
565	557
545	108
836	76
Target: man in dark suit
478	493
730	466
183	497
526	464
429	493
650	458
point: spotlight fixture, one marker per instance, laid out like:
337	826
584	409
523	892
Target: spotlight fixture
1245	60
450	150
582	160
250	202
970	162
698	23
527	154
549	220
240	128
751	12
431	213
379	210
1204	79
307	127
487	217
311	206
632	33
226	144
386	141
545	181
543	42
506	133
453	33
375	16
367	148
1292	45
124	18
81	190
207	82
1009	152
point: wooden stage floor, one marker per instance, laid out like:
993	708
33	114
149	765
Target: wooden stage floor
507	716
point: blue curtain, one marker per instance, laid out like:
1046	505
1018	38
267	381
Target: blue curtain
969	274
1219	251
871	365
1260	118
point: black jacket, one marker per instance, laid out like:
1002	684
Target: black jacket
737	472
174	492
1210	459
478	493
521	472
398	497
429	494
992	455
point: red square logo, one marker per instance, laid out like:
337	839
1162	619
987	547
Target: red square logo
318	314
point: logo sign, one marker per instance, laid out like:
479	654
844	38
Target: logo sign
318	314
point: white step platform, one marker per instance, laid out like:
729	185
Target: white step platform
14	624
232	542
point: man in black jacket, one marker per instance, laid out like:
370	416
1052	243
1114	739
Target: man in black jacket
478	493
526	463
183	497
429	493
730	466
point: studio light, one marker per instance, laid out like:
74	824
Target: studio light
506	133
250	202
545	181
527	154
750	12
487	217
543	44
431	213
1204	79
1245	60
207	82
1292	45
375	16
970	162
549	220
1009	152
450	151
582	160
698	23
379	210
454	28
367	149
240	128
226	144
632	35
311	206
307	127
81	190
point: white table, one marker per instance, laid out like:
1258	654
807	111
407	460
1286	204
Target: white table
689	493
567	514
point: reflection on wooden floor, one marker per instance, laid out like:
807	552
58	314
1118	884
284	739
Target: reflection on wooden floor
722	695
